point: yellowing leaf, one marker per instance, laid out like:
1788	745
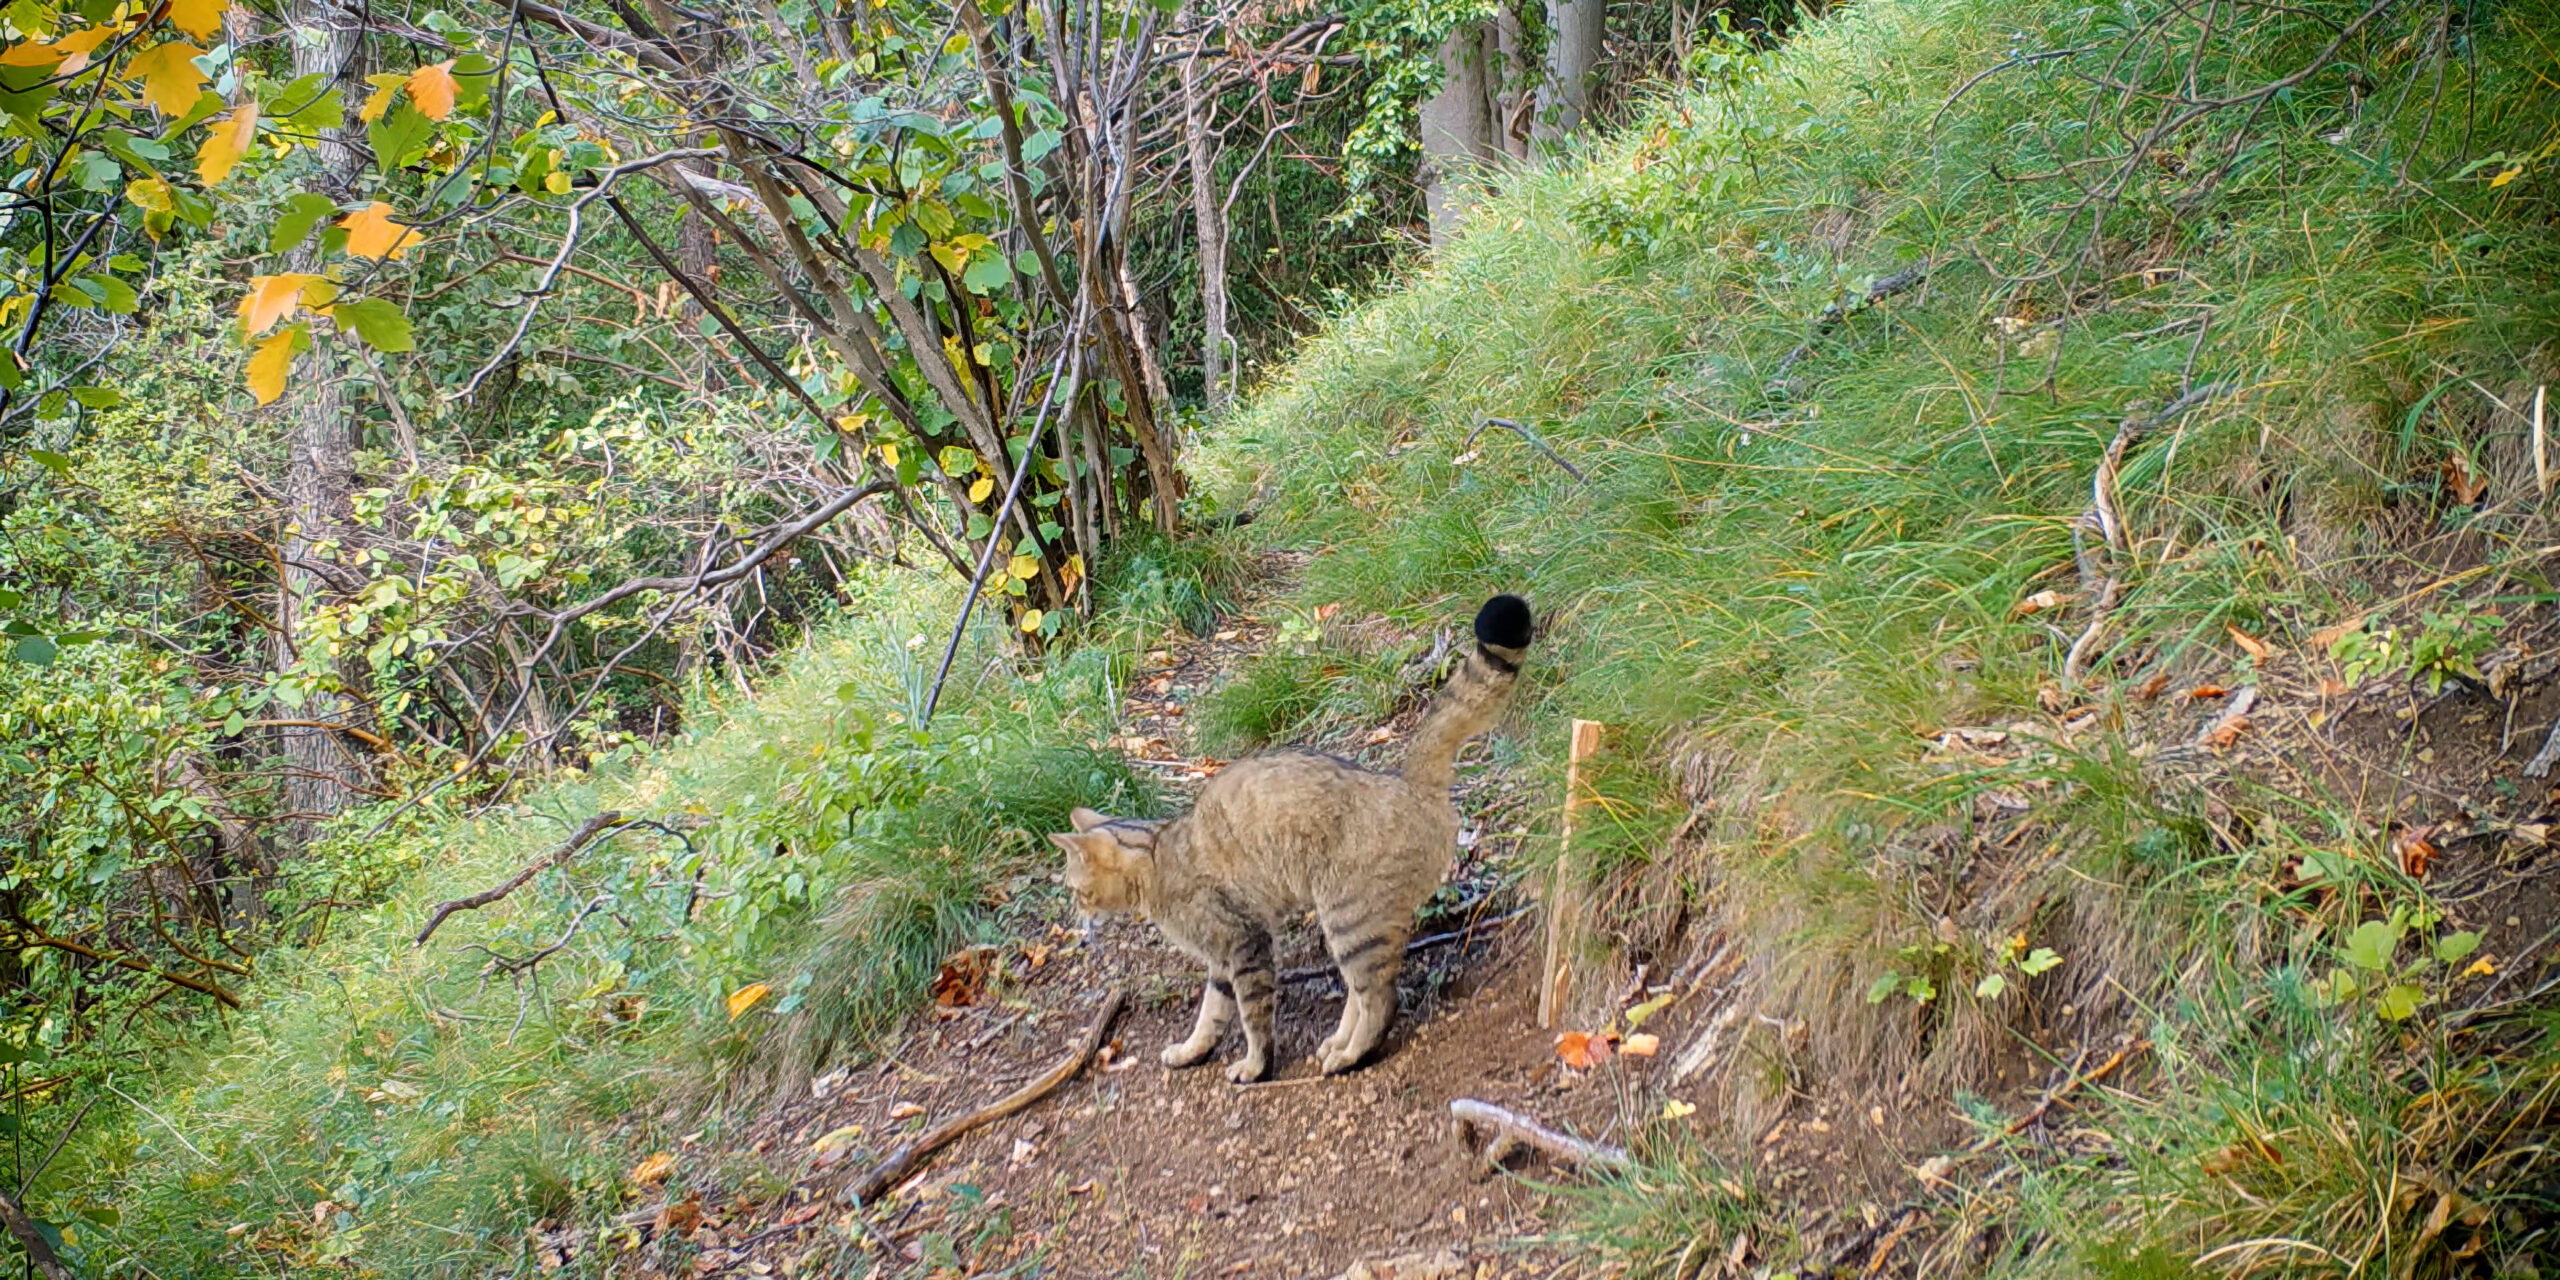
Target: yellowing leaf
150	195
1673	1108
1643	1044
654	1169
835	1140
889	453
318	292
169	77
226	142
2256	647
2480	968
2506	175
978	492
268	367
431	87
372	234
379	101
198	18
1025	567
271	299
79	45
556	182
1637	1015
1031	620
744	998
31	54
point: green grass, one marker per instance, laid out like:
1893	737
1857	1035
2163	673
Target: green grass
836	854
1772	592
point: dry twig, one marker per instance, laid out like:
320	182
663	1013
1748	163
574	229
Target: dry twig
1512	1131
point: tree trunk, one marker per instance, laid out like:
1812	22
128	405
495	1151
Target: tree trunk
1574	32
1513	84
323	773
1209	222
1457	127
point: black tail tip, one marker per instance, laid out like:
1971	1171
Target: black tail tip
1504	623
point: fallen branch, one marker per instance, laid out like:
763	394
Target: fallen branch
903	1161
1512	1131
1417	946
31	1238
568	849
2098	583
1467	450
1838	313
2060	1092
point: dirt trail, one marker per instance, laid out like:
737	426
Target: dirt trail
1135	1170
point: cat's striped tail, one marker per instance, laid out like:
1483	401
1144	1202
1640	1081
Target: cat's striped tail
1475	695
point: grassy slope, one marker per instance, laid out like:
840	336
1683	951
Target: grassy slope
437	1114
1770	592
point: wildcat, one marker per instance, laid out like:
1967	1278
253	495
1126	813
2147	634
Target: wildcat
1276	834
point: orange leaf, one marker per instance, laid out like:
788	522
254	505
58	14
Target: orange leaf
744	998
1643	1044
1582	1050
226	142
2416	850
654	1169
2151	688
372	234
2204	691
169	77
268	367
2257	648
270	299
431	87
31	54
2227	732
2332	687
199	18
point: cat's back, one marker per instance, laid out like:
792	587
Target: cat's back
1282	820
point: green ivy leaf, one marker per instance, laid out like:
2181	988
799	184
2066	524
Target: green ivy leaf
35	651
1990	987
2398	1002
988	274
2039	960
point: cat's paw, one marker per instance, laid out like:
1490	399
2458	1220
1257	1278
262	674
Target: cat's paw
1337	1059
1183	1053
1246	1070
1332	1042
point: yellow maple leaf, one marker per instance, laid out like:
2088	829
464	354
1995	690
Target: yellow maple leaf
384	85
1025	567
169	77
654	1169
372	234
198	18
226	142
744	998
79	45
268	367
31	54
1673	1108
270	299
432	87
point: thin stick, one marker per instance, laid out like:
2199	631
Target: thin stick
1564	897
1415	947
1467	450
1511	1129
903	1161
568	849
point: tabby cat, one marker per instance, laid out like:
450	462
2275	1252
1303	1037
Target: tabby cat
1276	834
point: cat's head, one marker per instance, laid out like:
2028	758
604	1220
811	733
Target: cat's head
1109	860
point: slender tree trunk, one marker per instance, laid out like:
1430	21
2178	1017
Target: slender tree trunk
1209	222
323	773
1457	127
1513	84
1574	31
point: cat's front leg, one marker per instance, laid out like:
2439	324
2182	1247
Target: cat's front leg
1257	988
1217	1008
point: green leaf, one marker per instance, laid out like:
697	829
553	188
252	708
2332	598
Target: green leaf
2398	1002
2371	945
398	135
98	397
1921	988
11	375
35	651
379	322
114	296
301	214
1990	987
2038	960
52	462
988	274
2452	948
1883	988
10	599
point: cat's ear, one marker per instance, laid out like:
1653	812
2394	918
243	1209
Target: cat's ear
1071	841
1086	819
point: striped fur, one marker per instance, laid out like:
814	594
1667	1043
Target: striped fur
1278	834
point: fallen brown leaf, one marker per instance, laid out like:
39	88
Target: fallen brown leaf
2227	732
905	1109
2333	687
1582	1050
2149	689
2203	691
2256	647
654	1169
2415	849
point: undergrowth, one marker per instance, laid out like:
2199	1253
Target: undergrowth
801	863
1806	549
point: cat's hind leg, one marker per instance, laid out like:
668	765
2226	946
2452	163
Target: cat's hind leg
1369	949
1217	1009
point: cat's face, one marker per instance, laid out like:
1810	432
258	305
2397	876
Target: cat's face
1107	860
